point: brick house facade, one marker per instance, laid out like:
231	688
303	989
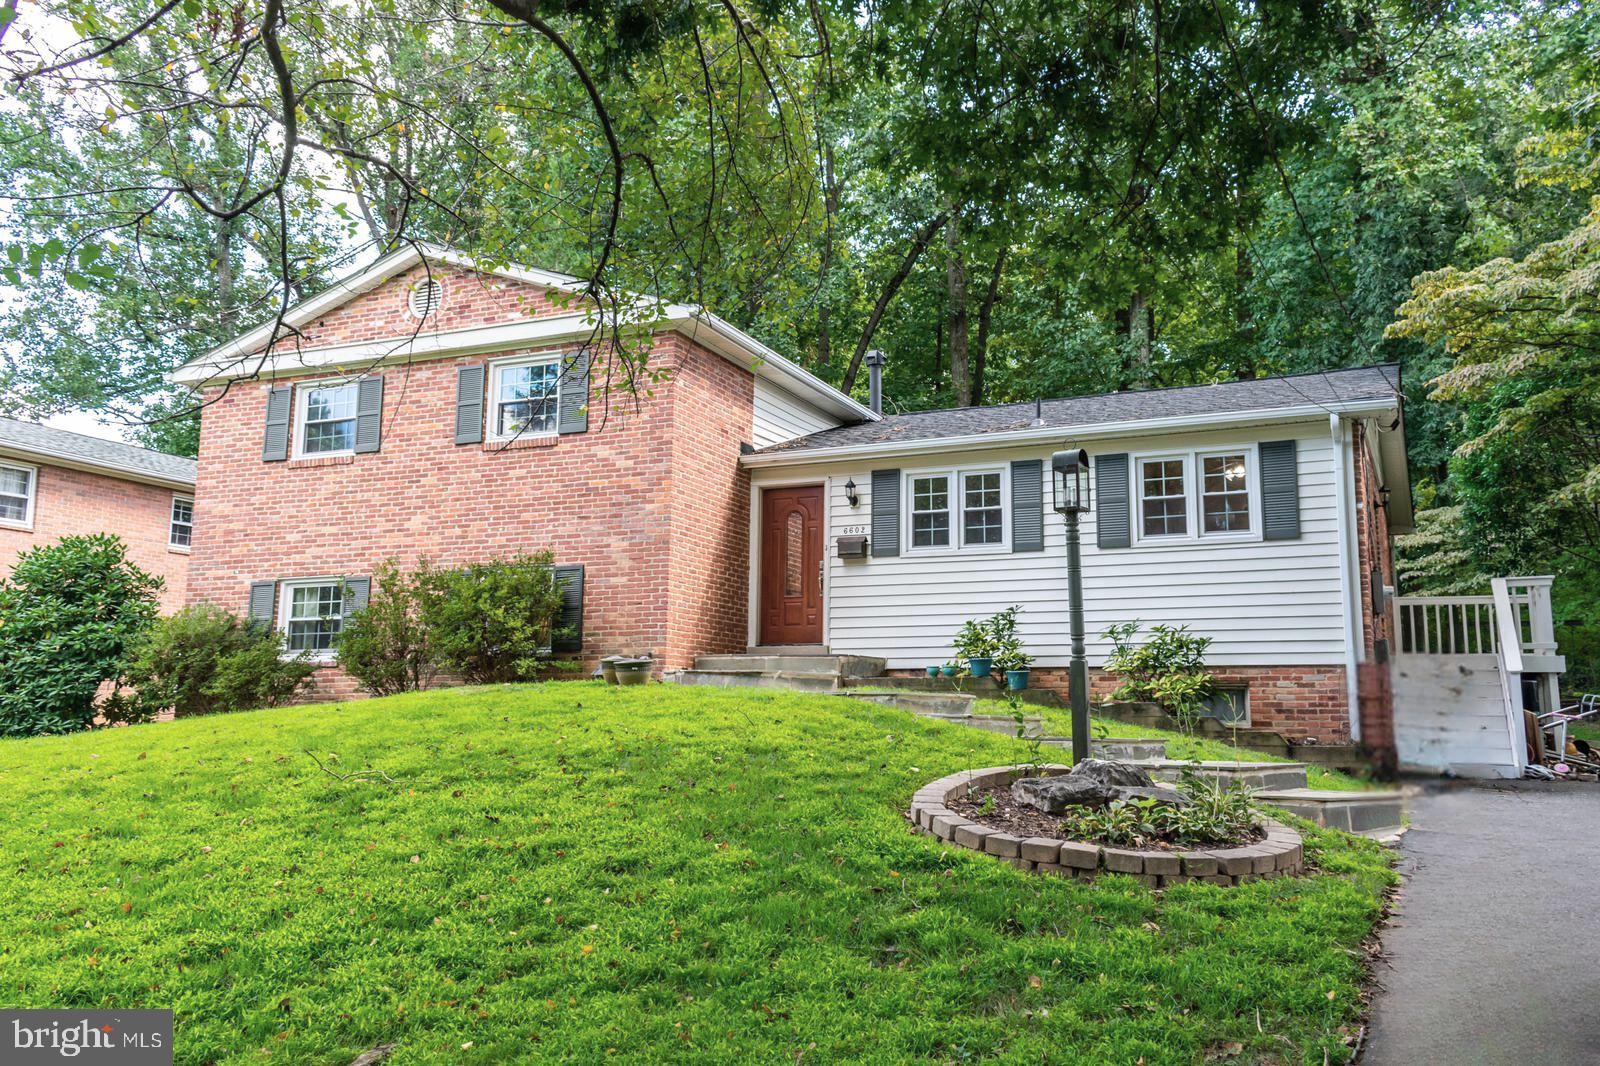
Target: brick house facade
54	483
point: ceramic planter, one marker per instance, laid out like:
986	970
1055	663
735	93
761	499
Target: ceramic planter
632	671
608	667
980	667
948	671
1016	680
933	671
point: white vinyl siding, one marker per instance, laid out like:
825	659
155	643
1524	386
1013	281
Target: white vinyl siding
780	415
18	486
1261	602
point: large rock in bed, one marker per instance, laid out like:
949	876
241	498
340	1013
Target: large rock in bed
1092	783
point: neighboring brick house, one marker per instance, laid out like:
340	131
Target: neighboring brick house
54	483
424	408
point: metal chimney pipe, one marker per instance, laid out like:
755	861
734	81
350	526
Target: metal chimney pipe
875	360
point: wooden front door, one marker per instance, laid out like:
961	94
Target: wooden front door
791	565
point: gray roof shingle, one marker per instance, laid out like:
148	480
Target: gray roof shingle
46	443
1229	397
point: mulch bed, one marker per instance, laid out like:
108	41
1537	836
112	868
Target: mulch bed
1009	815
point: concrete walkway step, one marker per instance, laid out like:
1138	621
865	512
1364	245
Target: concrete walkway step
795	681
983	687
1121	749
840	665
1258	775
1373	813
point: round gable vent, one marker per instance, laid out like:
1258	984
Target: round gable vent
425	297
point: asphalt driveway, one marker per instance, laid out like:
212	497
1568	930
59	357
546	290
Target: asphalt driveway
1494	954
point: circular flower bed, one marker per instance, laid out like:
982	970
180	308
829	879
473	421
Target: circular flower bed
1277	853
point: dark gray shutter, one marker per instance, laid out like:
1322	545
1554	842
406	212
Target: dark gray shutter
570	578
280	405
369	413
1027	505
357	591
885	513
575	393
263	598
1280	491
1112	526
469	404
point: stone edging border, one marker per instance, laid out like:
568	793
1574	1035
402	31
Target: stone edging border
1279	855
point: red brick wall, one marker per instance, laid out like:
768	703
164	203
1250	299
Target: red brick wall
73	501
651	500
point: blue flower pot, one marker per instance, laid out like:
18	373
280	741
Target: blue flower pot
933	671
948	671
1016	680
980	667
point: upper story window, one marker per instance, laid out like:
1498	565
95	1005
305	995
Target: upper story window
180	532
526	398
312	614
1196	494
325	419
957	509
17	485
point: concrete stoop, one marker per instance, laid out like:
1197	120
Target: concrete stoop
1369	813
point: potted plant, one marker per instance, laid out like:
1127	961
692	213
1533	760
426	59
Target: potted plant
933	671
1009	657
948	669
632	671
975	643
608	667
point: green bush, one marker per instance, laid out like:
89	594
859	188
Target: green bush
386	646
68	615
1168	669
1216	814
1007	653
494	622
206	660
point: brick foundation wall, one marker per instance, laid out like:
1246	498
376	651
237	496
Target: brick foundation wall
68	502
651	500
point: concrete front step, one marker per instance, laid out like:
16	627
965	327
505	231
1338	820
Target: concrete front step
1120	749
1373	813
983	687
1257	775
839	665
796	682
940	704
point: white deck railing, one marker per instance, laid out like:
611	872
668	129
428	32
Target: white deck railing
1516	614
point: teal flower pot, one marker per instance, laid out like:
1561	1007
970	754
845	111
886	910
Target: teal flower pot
980	667
1016	680
948	671
933	671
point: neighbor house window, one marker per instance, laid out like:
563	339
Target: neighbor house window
1225	493
313	614
526	398
957	508
326	419
1163	497
180	533
16	494
930	511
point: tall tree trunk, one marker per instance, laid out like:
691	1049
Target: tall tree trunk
980	352
226	313
830	208
1243	325
1139	323
956	285
918	245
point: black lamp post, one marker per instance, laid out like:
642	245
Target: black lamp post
1071	470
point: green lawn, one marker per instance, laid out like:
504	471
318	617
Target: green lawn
661	874
1058	722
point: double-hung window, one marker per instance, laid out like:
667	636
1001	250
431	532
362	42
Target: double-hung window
180	530
957	509
1196	494
527	396
17	484
312	614
325	422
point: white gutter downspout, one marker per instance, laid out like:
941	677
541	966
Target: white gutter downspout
1342	478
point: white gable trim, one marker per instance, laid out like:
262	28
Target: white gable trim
243	357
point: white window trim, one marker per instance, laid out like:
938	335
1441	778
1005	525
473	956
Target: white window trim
297	425
491	399
26	522
285	596
957	497
172	521
1192	458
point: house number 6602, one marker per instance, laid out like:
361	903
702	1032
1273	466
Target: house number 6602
853	531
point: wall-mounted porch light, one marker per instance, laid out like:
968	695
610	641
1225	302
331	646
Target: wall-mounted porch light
851	496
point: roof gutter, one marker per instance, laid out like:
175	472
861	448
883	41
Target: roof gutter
1051	434
74	462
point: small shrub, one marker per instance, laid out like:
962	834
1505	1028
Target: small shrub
1214	815
974	640
1168	669
69	613
494	622
386	646
1007	646
206	660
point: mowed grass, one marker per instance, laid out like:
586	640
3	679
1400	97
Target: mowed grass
571	872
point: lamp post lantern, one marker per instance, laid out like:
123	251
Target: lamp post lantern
1070	469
